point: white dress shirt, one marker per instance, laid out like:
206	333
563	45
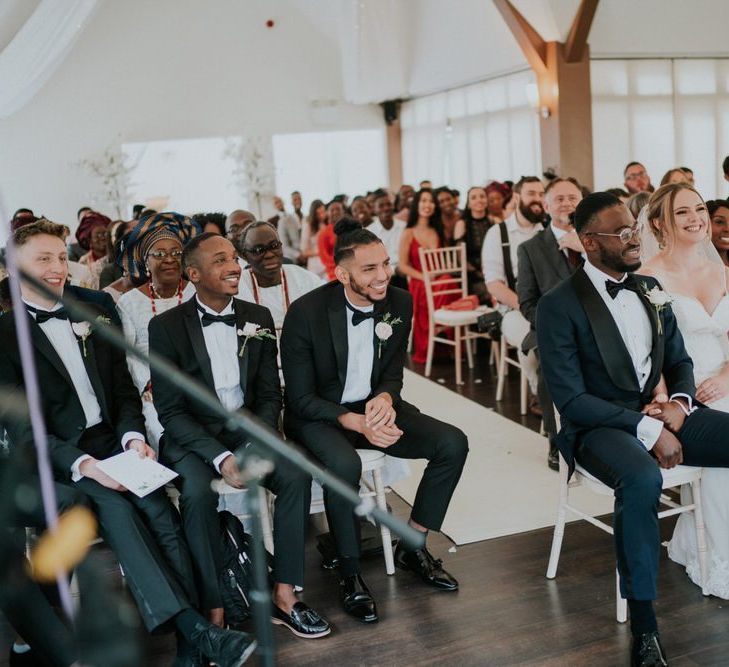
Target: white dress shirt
360	357
221	343
492	256
389	237
634	326
61	336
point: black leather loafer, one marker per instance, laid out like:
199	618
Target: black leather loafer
647	651
553	458
357	600
429	569
303	621
225	648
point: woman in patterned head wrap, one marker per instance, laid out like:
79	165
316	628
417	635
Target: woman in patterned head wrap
497	194
92	236
152	258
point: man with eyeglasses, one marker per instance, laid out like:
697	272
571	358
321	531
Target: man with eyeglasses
637	178
268	281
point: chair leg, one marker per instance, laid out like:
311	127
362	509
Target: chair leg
384	530
266	523
502	368
523	390
621	604
560	522
700	533
494	354
457	332
469	348
431	345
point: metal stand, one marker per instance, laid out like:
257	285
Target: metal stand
254	468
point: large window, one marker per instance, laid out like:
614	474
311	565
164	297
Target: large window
323	164
471	135
663	113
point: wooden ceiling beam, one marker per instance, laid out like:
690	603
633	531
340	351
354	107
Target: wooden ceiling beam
529	40
580	30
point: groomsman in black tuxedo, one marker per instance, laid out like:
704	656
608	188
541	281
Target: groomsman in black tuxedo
92	412
604	341
228	345
343	350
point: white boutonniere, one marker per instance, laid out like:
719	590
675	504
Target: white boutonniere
253	330
659	300
383	331
83	330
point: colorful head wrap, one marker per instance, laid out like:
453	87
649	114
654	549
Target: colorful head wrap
501	188
89	223
152	228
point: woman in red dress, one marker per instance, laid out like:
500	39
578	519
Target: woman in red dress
423	230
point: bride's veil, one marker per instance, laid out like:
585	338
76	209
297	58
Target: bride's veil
649	247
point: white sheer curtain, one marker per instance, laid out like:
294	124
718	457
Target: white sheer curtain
38	48
471	135
663	113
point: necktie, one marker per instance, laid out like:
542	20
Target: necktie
45	315
614	288
208	318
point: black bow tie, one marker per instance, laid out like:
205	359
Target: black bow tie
45	315
614	288
358	316
208	318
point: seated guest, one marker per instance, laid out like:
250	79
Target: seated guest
403	202
343	350
205	339
449	213
113	271
636	202
75	251
543	262
497	194
288	226
210	222
637	178
312	225
235	223
719	213
389	230
500	267
92	412
296	204
603	348
676	175
92	235
361	211
268	281
471	229
123	284
153	257
327	237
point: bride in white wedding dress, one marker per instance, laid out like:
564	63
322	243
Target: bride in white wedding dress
692	273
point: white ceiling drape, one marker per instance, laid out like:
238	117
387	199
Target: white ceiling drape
38	48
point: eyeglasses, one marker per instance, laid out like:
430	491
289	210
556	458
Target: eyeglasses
163	254
259	250
636	176
626	235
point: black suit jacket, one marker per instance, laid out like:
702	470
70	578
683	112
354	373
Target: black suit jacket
587	367
188	425
65	422
314	351
542	266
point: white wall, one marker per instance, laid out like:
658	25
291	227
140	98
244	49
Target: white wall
170	69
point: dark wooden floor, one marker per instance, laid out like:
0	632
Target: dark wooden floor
507	612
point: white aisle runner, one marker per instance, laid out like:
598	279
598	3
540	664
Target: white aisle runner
506	487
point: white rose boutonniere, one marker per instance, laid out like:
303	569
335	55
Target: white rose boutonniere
384	330
83	330
253	330
659	300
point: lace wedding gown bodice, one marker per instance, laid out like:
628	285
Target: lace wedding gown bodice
707	343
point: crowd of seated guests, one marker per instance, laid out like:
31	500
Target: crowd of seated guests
520	242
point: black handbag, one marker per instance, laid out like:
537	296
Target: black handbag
490	323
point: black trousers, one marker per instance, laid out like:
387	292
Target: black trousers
619	460
22	600
146	536
545	403
199	510
444	446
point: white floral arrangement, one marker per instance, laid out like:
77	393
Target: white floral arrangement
253	330
82	330
659	300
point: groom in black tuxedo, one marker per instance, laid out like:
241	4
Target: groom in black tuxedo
229	346
604	343
92	411
343	350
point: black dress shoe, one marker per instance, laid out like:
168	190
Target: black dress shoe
647	651
225	648
357	600
429	569
553	457
303	621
